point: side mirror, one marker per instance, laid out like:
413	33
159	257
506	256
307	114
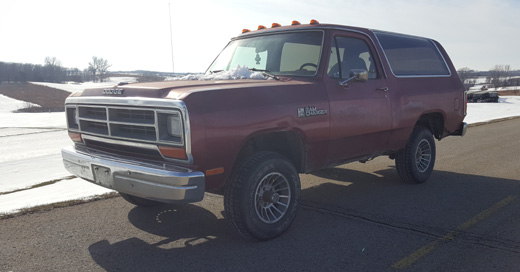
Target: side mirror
360	75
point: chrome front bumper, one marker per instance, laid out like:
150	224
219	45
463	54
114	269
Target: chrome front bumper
161	182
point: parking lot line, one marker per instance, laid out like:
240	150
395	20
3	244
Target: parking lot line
423	251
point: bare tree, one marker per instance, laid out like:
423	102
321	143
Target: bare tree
464	74
92	70
98	66
506	75
499	75
52	61
53	71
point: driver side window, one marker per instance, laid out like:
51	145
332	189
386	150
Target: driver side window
348	54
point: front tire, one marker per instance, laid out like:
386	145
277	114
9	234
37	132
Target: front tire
262	198
415	162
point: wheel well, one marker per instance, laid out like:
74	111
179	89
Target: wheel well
289	144
434	122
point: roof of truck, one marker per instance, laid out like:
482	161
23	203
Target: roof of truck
313	26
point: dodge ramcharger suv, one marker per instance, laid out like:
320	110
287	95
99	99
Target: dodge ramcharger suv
326	95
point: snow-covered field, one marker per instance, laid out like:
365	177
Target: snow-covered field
507	106
75	87
31	168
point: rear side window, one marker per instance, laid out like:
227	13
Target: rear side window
412	56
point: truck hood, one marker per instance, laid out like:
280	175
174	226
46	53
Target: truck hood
181	89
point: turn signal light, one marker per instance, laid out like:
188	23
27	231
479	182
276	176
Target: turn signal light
261	27
314	22
245	30
276	25
215	171
295	23
75	137
173	152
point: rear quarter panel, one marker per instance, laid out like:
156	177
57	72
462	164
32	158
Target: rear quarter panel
419	96
416	96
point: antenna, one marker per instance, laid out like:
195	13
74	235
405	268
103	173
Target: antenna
171	36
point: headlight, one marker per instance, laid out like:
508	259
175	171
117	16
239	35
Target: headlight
171	128
174	124
72	118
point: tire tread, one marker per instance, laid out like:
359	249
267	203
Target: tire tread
233	192
403	158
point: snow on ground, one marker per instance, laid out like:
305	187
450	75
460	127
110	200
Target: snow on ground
76	87
31	154
30	148
61	191
504	89
507	106
8	104
32	120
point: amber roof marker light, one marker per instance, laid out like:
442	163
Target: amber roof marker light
274	25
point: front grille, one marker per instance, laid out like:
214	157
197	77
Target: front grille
124	150
136	132
94	127
149	125
93	113
132	115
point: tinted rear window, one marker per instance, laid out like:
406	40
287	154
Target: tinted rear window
412	56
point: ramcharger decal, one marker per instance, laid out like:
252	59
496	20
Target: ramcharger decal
310	111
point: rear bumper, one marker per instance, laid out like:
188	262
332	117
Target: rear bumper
462	130
159	182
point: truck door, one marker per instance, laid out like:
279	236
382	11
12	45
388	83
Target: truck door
360	111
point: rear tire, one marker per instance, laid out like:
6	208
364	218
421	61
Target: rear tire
415	162
139	201
262	198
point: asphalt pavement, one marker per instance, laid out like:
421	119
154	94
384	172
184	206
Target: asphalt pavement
355	217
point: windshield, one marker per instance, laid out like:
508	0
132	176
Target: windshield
296	53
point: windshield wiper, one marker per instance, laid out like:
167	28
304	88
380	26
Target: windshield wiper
216	71
265	73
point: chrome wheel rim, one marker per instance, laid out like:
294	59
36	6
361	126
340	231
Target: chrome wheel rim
272	198
423	155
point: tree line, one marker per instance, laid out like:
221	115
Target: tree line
53	71
498	76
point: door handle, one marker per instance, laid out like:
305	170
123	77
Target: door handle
382	89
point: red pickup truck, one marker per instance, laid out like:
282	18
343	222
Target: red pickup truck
328	95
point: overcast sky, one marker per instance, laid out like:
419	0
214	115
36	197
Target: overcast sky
478	34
